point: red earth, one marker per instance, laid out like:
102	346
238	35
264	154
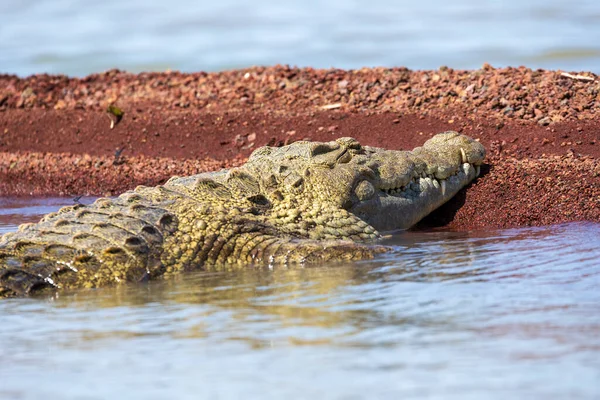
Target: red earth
540	128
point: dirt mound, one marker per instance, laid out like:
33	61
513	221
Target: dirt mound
541	129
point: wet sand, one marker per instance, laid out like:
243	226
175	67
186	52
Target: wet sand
541	130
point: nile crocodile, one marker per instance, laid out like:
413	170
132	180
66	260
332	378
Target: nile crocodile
302	203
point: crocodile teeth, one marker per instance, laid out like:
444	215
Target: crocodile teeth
443	183
463	155
477	170
466	168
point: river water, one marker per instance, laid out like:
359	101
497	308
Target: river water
78	37
496	315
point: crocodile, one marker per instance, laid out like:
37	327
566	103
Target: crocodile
304	203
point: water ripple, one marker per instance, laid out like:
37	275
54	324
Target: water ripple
509	313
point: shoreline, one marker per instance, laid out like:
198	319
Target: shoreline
541	130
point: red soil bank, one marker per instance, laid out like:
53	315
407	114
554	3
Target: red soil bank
541	129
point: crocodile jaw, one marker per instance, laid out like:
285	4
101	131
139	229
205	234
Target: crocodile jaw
403	208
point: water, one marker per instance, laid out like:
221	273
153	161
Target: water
499	314
78	37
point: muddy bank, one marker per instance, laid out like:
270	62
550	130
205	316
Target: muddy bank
541	129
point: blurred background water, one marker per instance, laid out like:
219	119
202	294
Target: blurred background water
447	315
78	37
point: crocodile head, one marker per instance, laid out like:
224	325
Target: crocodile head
341	180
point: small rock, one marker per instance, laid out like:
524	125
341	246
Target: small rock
331	106
545	121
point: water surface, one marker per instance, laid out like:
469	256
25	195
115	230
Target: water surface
499	314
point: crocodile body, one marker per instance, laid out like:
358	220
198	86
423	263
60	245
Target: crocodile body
303	203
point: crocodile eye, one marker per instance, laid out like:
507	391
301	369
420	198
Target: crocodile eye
345	158
364	190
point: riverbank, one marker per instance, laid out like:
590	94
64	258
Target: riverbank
541	130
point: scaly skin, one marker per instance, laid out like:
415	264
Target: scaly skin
303	203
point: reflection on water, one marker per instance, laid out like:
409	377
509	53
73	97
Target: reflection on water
14	210
80	37
501	314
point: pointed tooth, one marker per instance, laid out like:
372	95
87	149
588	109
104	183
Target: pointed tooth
477	170
463	155
443	183
435	183
466	168
427	183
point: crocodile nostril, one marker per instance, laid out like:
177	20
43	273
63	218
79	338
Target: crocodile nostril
364	190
